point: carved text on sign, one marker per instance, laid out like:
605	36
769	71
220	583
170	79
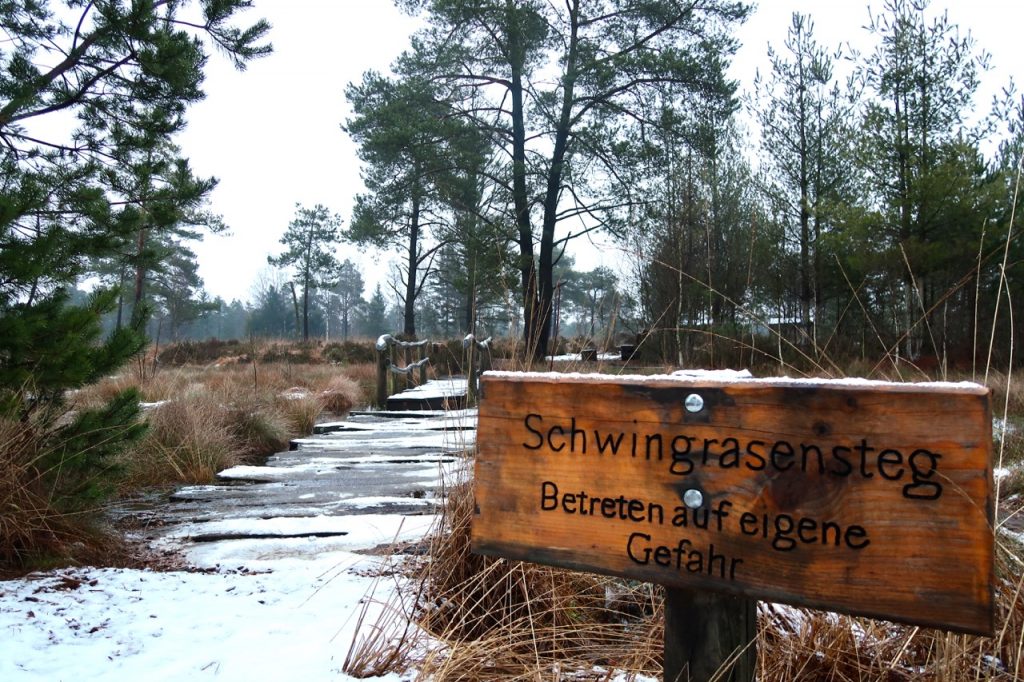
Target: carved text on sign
853	497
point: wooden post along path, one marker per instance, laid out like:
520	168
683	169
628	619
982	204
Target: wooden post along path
866	498
392	377
476	360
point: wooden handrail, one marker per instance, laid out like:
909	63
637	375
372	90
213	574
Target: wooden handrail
384	341
408	368
478	361
389	371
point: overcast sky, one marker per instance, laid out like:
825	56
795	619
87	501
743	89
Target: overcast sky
272	134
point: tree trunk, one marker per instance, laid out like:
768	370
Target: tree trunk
805	214
469	310
305	308
553	190
295	305
520	198
140	270
409	322
120	297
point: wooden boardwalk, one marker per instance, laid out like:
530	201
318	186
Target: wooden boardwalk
437	394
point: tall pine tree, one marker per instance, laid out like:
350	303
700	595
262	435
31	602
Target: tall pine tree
86	91
310	240
555	85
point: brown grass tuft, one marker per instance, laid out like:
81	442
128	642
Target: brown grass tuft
26	519
487	619
189	440
300	410
365	377
259	431
34	532
341	394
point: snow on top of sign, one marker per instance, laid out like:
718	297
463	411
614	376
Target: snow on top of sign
714	374
729	376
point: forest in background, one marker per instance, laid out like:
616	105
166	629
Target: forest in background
856	214
852	205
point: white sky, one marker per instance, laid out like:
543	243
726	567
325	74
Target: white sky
272	135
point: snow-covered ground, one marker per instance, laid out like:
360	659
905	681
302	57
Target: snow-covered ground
281	580
577	357
271	610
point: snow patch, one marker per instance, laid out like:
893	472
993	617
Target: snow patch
969	387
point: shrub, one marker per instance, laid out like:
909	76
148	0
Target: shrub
349	351
200	352
259	432
189	440
296	353
341	394
300	410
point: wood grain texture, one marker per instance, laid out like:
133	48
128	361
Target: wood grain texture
864	499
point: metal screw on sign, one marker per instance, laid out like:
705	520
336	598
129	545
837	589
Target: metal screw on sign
693	498
694	403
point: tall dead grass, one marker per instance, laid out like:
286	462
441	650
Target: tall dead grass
481	618
801	645
189	440
25	516
46	516
206	419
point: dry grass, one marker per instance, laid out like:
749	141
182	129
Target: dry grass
25	515
365	377
300	410
213	417
189	440
35	530
800	645
480	618
259	431
341	394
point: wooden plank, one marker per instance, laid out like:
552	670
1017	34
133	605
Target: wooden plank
865	498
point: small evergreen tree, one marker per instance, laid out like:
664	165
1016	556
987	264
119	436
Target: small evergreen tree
123	77
311	238
348	295
374	320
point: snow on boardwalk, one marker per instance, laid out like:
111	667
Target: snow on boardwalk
436	394
281	544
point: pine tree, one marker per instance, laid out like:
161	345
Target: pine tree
555	85
348	295
311	238
413	152
806	140
374	320
87	90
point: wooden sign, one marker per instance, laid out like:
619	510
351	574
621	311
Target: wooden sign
866	498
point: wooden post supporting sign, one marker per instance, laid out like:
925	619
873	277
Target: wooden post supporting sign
866	498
